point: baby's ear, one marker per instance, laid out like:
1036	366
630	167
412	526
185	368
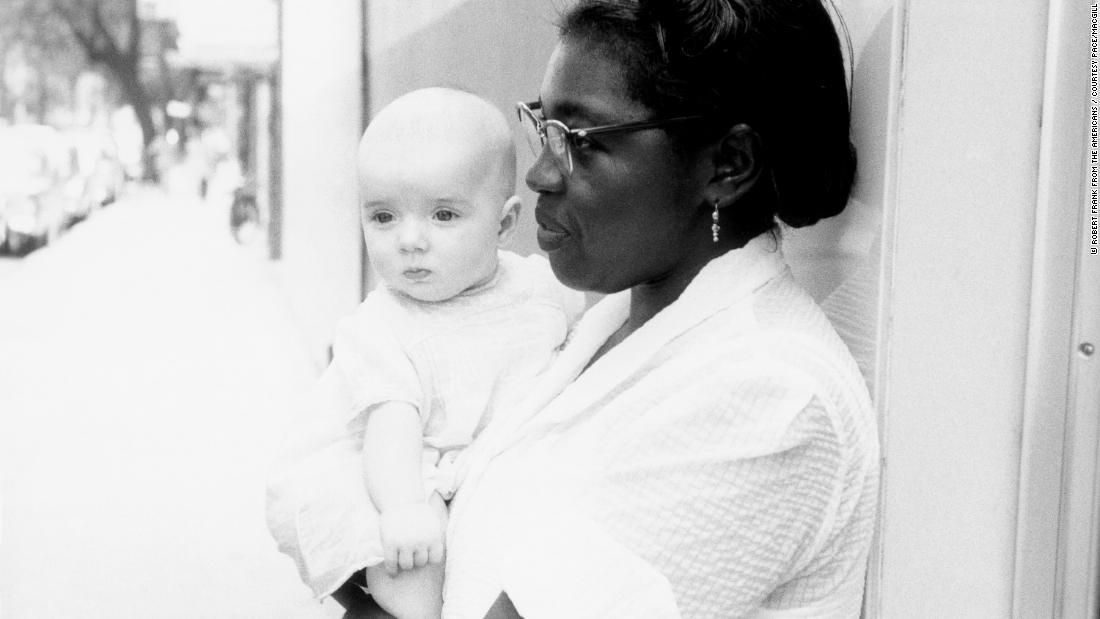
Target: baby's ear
509	218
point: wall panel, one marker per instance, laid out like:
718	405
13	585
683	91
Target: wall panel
959	245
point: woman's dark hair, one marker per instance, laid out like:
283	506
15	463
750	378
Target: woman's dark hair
775	65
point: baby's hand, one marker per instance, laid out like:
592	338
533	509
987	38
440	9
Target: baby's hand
412	536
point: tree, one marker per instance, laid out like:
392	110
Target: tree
110	32
39	65
107	34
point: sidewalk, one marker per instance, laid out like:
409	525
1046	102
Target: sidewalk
147	367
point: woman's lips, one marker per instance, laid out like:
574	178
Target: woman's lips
550	239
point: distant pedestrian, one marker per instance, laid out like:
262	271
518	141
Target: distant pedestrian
453	338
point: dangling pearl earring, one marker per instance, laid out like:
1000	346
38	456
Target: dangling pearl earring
714	227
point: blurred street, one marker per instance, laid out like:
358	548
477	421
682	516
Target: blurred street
148	364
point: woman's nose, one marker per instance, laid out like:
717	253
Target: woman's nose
412	236
545	175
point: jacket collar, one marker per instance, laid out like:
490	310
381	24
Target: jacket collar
567	388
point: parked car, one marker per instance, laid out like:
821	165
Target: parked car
99	177
34	167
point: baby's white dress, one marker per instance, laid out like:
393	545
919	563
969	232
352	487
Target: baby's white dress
460	362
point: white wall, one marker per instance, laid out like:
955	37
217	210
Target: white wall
958	242
321	93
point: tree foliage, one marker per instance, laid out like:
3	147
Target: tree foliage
31	44
64	37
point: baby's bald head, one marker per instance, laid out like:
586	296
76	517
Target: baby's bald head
424	123
437	176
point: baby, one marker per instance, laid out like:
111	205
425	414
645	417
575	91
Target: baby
454	335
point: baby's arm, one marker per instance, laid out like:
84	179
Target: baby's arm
412	535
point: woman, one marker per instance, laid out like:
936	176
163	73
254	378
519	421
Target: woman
704	445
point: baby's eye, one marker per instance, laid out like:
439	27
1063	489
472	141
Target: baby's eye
382	217
445	215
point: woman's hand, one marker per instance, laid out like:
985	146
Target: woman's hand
412	536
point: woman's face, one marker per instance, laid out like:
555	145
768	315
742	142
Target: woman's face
629	212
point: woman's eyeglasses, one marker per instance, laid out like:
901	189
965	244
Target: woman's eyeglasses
562	140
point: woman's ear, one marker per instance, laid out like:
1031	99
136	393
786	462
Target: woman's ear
509	218
738	160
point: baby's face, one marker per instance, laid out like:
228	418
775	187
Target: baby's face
430	218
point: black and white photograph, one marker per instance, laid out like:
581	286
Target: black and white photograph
465	309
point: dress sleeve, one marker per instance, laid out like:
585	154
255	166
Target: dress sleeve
734	499
372	365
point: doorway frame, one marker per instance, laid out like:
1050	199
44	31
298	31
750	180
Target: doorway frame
1057	528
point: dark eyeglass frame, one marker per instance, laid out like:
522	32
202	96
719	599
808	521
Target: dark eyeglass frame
563	154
